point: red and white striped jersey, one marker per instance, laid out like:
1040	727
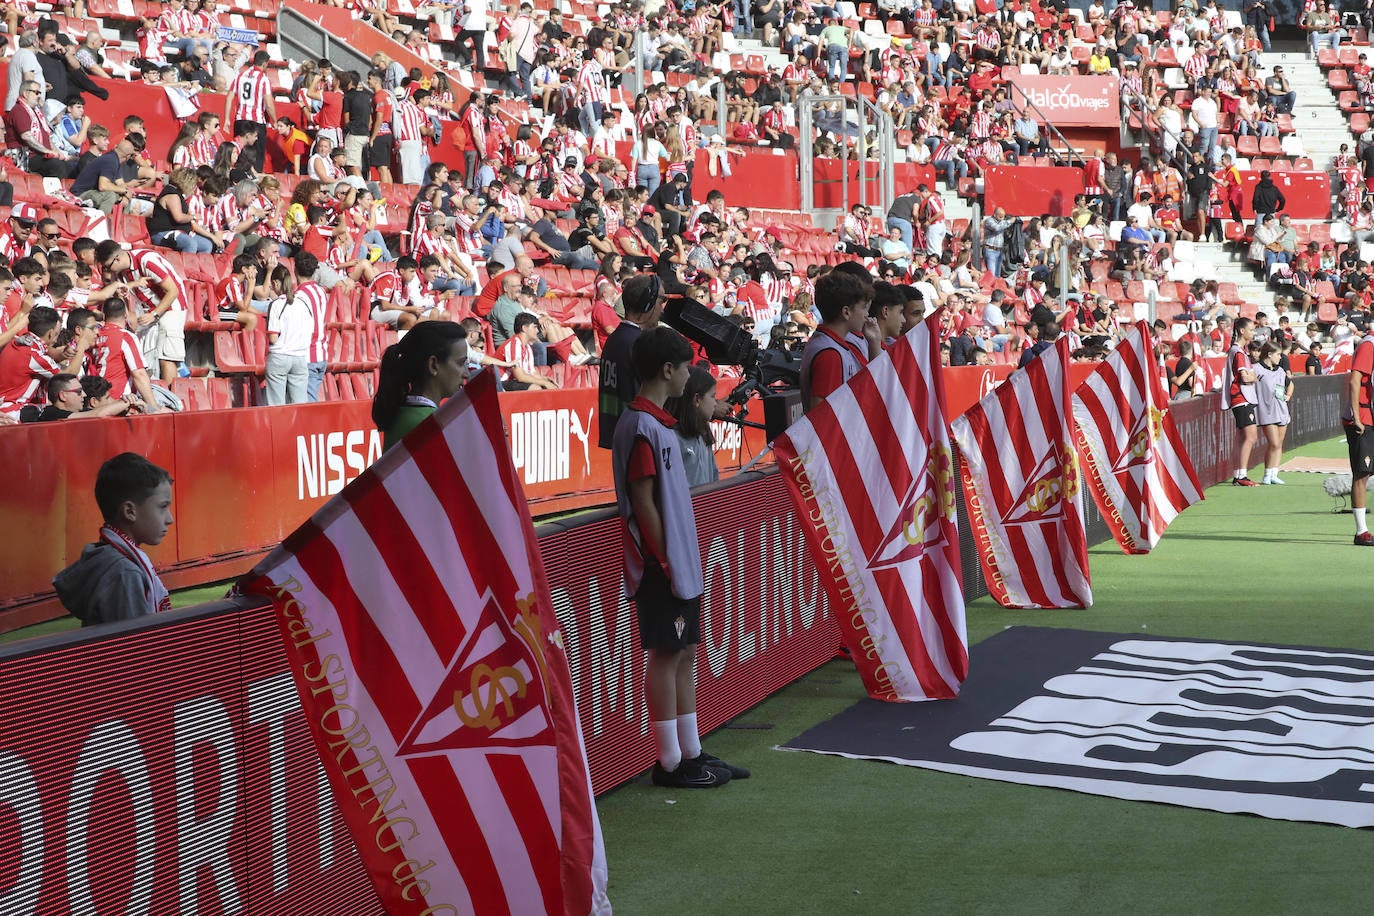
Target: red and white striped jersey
513	202
148	264
195	205
409	121
688	131
516	351
980	124
225	214
1196	65
465	231
251	90
118	355
24	368
205	22
150	44
424	243
271	224
175	22
591	84
775	290
203	148
229	293
313	296
476	125
933	209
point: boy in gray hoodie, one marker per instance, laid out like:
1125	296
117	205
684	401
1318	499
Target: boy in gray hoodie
114	579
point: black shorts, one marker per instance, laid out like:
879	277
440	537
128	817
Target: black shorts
379	152
1244	414
665	621
1361	447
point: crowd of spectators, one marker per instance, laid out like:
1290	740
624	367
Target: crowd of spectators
549	164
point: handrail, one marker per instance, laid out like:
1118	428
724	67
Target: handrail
1145	111
884	151
1072	154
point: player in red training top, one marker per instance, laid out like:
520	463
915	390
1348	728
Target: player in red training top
1241	398
1359	433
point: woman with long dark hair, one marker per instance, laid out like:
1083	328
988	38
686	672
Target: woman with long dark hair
417	373
694	411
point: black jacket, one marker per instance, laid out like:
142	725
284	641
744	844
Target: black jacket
1267	198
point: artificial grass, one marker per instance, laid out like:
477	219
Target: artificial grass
817	834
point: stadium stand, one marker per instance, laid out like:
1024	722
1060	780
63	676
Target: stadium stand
518	136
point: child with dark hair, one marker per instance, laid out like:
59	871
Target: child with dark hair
114	579
663	561
694	411
418	372
846	339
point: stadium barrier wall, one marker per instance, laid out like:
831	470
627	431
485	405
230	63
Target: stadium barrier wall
1024	190
1307	194
243	479
162	765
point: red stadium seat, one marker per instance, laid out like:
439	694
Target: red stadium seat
189	391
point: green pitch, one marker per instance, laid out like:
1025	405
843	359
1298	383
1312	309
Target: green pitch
824	835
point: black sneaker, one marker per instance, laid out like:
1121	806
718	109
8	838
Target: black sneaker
711	760
690	774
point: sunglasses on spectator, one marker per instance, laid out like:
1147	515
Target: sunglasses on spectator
52	236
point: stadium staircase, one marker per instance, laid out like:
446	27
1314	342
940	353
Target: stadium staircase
1321	126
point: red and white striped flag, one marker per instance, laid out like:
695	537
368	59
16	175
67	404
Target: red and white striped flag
431	668
1133	457
1021	487
872	479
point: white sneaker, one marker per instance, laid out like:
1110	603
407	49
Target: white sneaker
1275	480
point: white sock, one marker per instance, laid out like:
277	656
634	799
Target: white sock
1241	472
1360	527
1270	473
665	736
687	737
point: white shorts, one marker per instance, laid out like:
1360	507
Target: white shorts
354	144
171	335
388	317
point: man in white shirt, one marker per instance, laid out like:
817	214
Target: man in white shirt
995	322
1142	214
290	329
24	66
473	24
1205	117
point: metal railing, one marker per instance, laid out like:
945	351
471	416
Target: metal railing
1069	154
1137	102
883	150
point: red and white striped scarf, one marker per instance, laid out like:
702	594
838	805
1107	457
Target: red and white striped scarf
158	598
